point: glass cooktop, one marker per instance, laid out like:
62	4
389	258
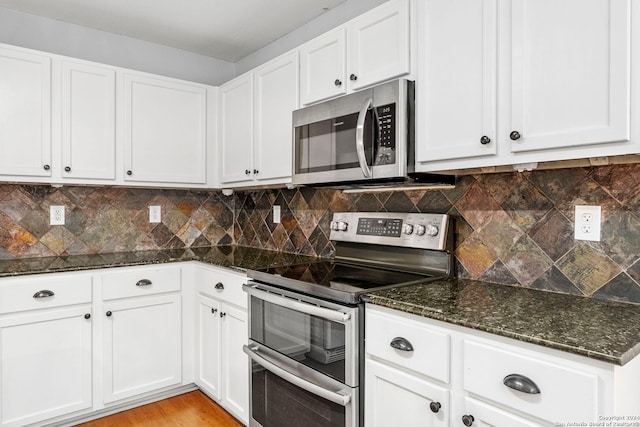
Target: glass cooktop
326	278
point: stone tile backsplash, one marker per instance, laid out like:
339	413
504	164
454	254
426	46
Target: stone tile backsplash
511	228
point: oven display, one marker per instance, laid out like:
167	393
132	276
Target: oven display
379	227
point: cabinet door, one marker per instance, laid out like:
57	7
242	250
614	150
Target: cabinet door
396	398
25	114
570	78
88	121
456	94
142	345
323	67
209	344
275	98
165	131
379	43
236	130
235	362
45	365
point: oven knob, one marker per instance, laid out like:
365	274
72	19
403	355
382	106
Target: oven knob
420	229
342	226
431	230
408	229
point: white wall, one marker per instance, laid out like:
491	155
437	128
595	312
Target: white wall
333	18
49	35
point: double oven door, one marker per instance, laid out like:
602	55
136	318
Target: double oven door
304	360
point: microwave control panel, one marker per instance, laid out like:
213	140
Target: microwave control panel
386	143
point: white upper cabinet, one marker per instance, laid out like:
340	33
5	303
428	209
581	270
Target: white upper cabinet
570	73
275	97
165	125
522	81
457	88
88	121
25	113
323	67
236	130
367	50
379	44
255	129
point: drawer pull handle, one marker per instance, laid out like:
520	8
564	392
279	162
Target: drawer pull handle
43	294
401	344
219	285
468	420
521	383
144	282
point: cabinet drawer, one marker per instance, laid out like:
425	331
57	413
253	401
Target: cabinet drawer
140	281
565	392
431	346
223	285
18	294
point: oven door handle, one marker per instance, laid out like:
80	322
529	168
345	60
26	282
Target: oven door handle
337	398
314	310
362	158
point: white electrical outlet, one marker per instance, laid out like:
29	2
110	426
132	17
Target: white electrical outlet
56	215
587	223
276	214
155	214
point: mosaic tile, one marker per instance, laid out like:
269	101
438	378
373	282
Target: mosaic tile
500	233
620	288
619	237
498	273
621	181
554	234
554	281
477	206
587	268
527	261
557	184
475	256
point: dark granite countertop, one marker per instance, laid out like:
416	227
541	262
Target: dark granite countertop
602	330
237	257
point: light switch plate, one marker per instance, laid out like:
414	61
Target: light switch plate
276	214
155	214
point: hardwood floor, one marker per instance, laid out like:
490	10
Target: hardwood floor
191	409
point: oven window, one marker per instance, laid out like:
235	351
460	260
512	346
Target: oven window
278	403
331	144
313	341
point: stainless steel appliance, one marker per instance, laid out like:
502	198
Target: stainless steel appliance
306	321
365	136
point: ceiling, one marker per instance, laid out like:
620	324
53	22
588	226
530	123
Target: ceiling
223	29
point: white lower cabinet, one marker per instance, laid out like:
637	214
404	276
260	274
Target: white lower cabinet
488	380
46	364
142	346
74	346
45	348
223	368
142	334
398	398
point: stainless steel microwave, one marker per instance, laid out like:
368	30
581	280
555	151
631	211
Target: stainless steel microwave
365	136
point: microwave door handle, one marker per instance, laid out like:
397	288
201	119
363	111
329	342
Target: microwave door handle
337	398
362	158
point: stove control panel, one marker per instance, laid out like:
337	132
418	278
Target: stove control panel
418	230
